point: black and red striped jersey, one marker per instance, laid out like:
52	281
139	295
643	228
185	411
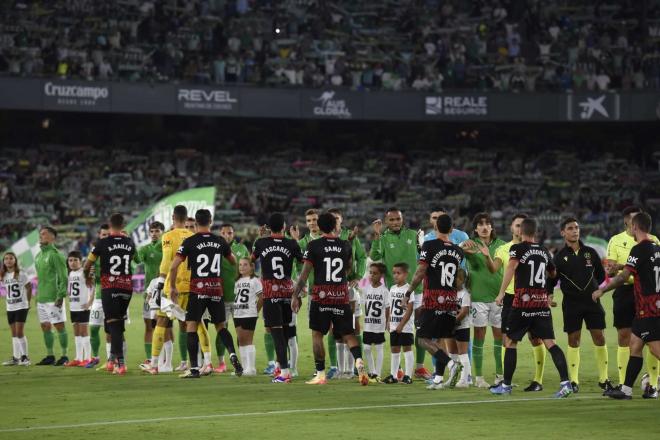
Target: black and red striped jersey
276	255
203	253
331	259
443	260
644	263
534	260
115	253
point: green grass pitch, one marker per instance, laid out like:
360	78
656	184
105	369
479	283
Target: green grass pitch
57	402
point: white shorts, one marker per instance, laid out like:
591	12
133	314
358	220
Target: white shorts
486	314
49	313
96	315
147	313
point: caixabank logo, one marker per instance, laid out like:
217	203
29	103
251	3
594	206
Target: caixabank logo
452	105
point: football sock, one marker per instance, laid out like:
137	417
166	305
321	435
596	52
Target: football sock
560	362
349	359
370	359
183	344
204	339
280	346
108	349
420	353
243	353
467	368
539	362
87	348
356	352
478	356
147	349
15	348
601	362
332	351
395	361
409	357
270	347
622	355
293	352
632	371
497	352
49	340
168	350
77	343
380	353
219	348
651	366
64	340
157	342
252	357
441	361
95	339
227	340
510	361
192	342
116	342
24	345
319	364
339	350
124	346
573	359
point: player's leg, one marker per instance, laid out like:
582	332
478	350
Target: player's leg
434	326
335	356
269	346
420	353
291	333
157	342
62	336
595	322
206	367
573	358
118	306
517	327
219	319
19	330
456	367
541	328
343	324
192	337
539	352
479	313
409	358
47	331
183	346
319	324
633	368
148	336
624	313
495	322
462	338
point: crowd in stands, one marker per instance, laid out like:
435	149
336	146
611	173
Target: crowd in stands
507	45
75	188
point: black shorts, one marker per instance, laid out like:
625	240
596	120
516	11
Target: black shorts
340	316
624	306
17	316
401	339
115	305
577	311
81	317
198	304
462	335
369	338
277	312
436	324
507	303
647	329
536	321
246	323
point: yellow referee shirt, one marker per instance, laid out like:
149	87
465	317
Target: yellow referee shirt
502	253
619	248
171	242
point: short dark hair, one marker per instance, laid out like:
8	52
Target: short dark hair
75	254
226	225
157	225
334	211
190	219
566	221
403	266
528	227
327	222
380	266
203	217
438	209
631	210
518	215
180	213
642	221
276	222
444	224
50	229
311	211
392	209
117	220
104	226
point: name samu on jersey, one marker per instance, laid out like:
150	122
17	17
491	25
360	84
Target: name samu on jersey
276	254
203	252
443	260
115	253
530	282
644	263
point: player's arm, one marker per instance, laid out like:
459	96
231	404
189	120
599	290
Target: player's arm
508	276
615	282
173	269
259	294
28	290
599	270
387	312
87	269
62	278
417	278
406	316
376	252
360	260
166	261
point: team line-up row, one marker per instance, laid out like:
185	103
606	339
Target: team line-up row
198	278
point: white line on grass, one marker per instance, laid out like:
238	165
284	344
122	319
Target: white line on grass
285	411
